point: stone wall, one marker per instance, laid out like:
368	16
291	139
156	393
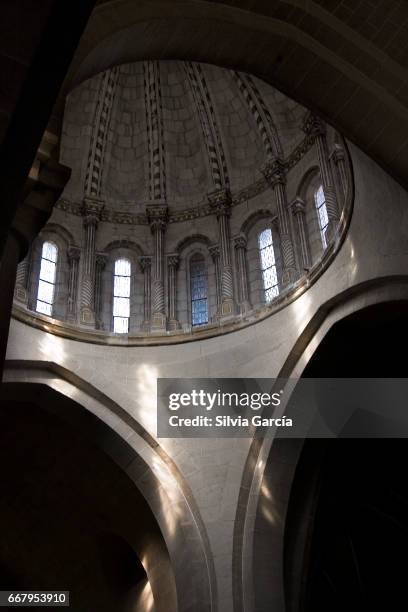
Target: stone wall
370	267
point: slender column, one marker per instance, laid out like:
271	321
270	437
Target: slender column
275	175
214	251
172	265
100	264
339	159
220	202
157	216
92	211
298	209
73	255
240	244
317	129
146	265
21	287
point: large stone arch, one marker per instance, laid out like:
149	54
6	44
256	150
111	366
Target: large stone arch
284	454
121	31
143	460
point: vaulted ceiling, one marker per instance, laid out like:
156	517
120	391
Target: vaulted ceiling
346	59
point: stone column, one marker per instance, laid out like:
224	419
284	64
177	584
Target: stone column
146	265
91	215
172	265
220	202
214	251
157	216
100	264
339	157
275	175
73	255
21	287
316	128
240	244
298	209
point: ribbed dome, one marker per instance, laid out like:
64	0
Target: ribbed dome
174	131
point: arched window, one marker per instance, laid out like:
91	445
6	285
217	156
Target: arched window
199	290
46	283
268	265
320	202
121	296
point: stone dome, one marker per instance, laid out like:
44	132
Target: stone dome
176	160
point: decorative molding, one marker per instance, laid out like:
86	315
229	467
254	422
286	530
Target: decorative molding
173	260
155	138
260	114
274	172
240	241
220	202
103	111
157	216
313	125
209	126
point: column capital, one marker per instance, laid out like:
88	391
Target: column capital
145	262
101	260
338	153
92	210
313	125
173	260
157	215
274	172
298	206
73	253
240	241
220	201
214	251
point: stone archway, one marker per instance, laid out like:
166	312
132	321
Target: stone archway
271	464
147	468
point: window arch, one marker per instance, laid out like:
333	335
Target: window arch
199	290
47	278
320	203
268	265
121	296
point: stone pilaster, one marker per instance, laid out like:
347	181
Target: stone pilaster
101	260
172	266
214	251
146	265
298	209
21	286
91	214
157	216
339	157
240	245
220	202
73	255
275	175
316	128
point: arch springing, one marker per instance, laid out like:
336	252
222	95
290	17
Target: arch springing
121	296
199	290
268	265
47	278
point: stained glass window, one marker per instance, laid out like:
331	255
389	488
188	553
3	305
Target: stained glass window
199	290
268	265
321	208
121	296
46	282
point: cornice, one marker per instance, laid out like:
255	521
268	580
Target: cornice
200	209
